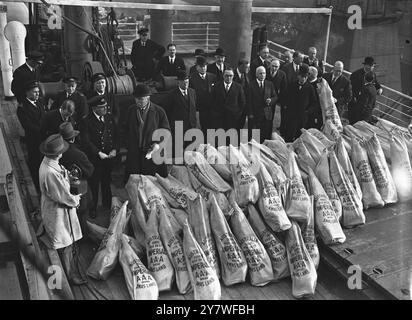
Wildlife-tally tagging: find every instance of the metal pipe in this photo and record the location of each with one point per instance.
(5, 54)
(327, 35)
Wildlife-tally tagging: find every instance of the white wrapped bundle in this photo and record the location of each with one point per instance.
(313, 144)
(321, 137)
(322, 172)
(329, 110)
(280, 150)
(298, 205)
(380, 170)
(352, 214)
(302, 152)
(106, 257)
(205, 282)
(302, 268)
(178, 191)
(203, 171)
(363, 172)
(245, 183)
(308, 235)
(140, 283)
(174, 248)
(232, 260)
(330, 131)
(274, 247)
(270, 203)
(200, 224)
(180, 173)
(344, 161)
(260, 266)
(326, 221)
(216, 160)
(401, 168)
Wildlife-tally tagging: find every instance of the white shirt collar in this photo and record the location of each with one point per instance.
(226, 84)
(97, 116)
(261, 59)
(32, 102)
(172, 58)
(295, 65)
(202, 76)
(238, 72)
(260, 81)
(31, 68)
(183, 91)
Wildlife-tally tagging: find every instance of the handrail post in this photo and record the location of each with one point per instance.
(325, 55)
(207, 37)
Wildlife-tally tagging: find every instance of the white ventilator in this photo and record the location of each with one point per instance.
(15, 32)
(5, 55)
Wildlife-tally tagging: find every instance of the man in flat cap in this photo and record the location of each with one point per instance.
(70, 92)
(143, 118)
(52, 120)
(145, 54)
(219, 66)
(202, 82)
(301, 102)
(26, 73)
(180, 109)
(99, 137)
(30, 112)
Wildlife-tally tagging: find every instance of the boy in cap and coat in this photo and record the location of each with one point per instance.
(30, 113)
(100, 142)
(58, 205)
(143, 118)
(144, 54)
(27, 72)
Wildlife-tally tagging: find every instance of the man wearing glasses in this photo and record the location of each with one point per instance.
(341, 88)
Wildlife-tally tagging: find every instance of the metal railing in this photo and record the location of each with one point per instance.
(189, 36)
(392, 105)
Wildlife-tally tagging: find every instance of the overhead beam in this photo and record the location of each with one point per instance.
(179, 7)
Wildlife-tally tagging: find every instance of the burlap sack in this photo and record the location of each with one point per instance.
(302, 268)
(203, 171)
(260, 266)
(106, 256)
(363, 172)
(298, 204)
(205, 282)
(200, 224)
(330, 131)
(140, 283)
(326, 222)
(313, 145)
(245, 183)
(174, 248)
(232, 260)
(401, 168)
(322, 172)
(158, 261)
(308, 236)
(352, 214)
(380, 170)
(180, 173)
(302, 152)
(216, 160)
(329, 110)
(178, 191)
(274, 247)
(327, 143)
(270, 203)
(346, 164)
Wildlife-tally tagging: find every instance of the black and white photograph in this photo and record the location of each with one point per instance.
(233, 152)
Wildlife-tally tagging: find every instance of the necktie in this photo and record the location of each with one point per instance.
(227, 88)
(296, 68)
(143, 44)
(101, 119)
(171, 60)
